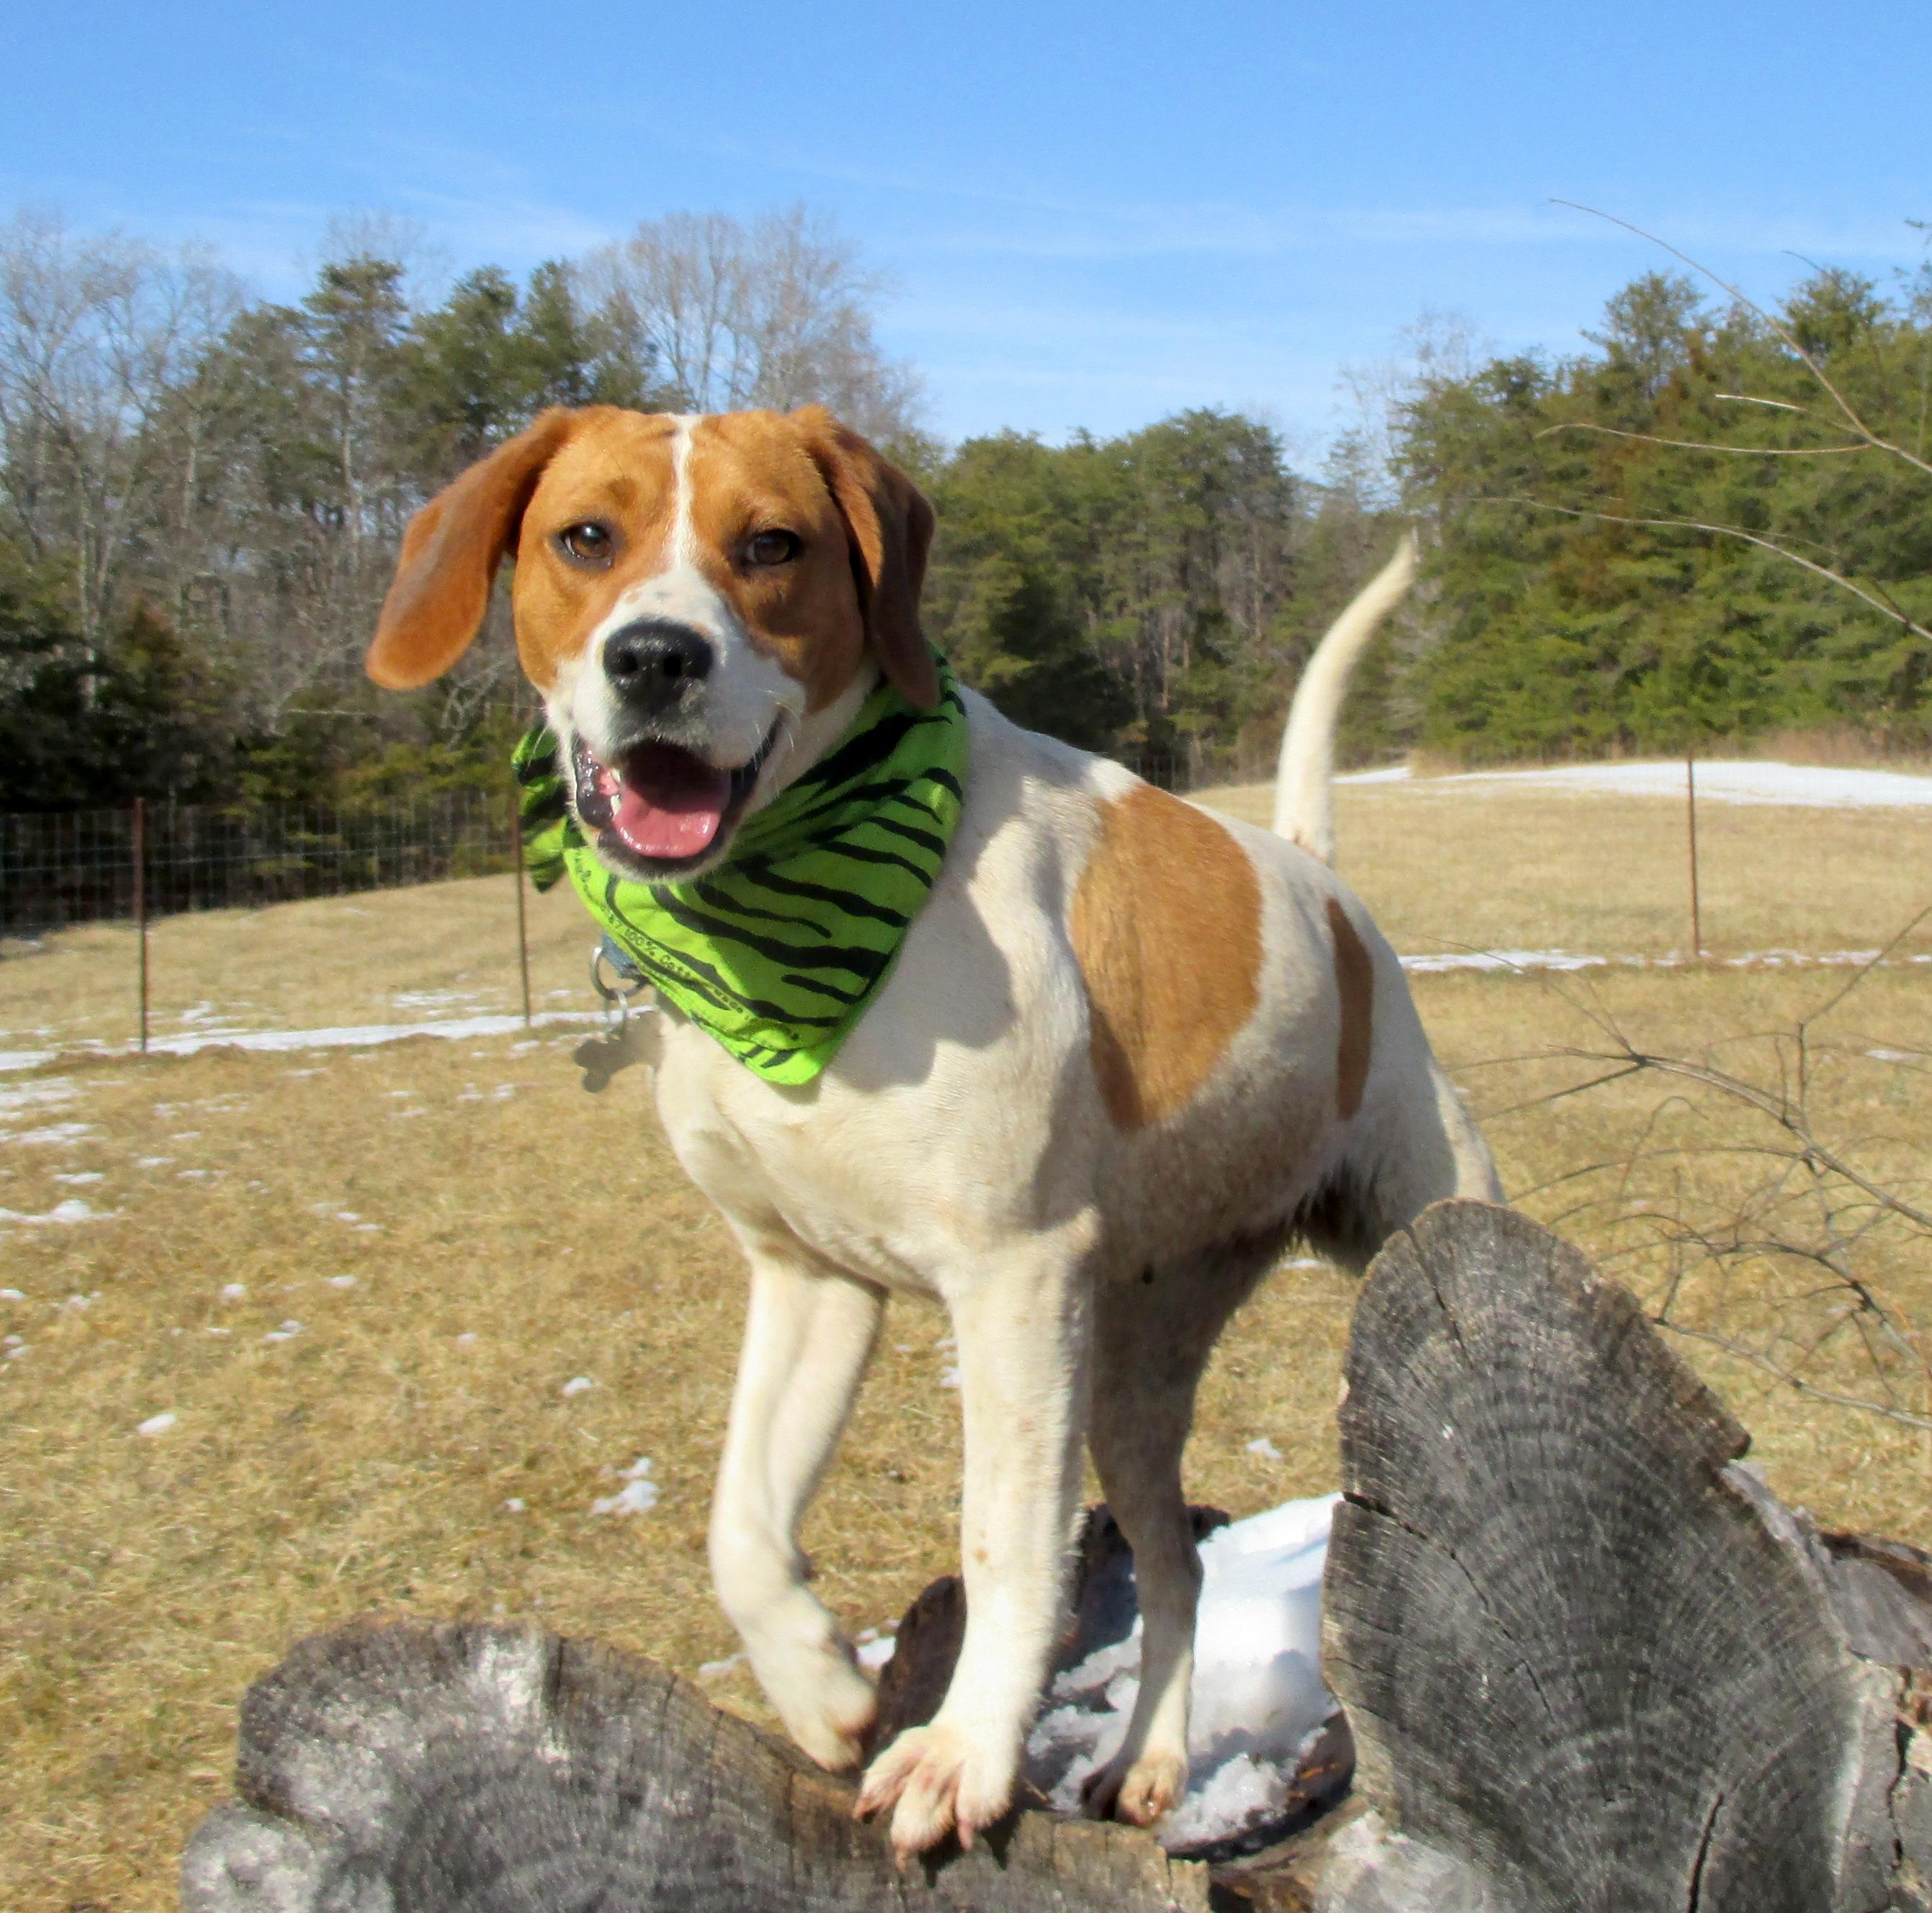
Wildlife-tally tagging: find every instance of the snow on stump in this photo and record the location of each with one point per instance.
(1589, 1663)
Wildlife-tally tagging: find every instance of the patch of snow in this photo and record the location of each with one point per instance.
(1720, 780)
(1385, 774)
(577, 1385)
(432, 999)
(72, 1210)
(1257, 1694)
(342, 1281)
(874, 1648)
(11, 1295)
(51, 1134)
(1434, 962)
(286, 1332)
(54, 1093)
(353, 1036)
(1263, 1447)
(708, 1670)
(638, 1495)
(463, 1340)
(157, 1424)
(18, 1349)
(233, 1291)
(949, 1377)
(152, 1162)
(514, 1505)
(79, 1175)
(1437, 961)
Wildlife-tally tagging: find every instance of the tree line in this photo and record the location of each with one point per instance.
(201, 495)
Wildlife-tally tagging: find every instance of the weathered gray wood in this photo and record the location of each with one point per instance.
(1591, 1663)
(417, 1769)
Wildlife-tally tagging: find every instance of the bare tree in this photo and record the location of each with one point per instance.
(99, 338)
(777, 313)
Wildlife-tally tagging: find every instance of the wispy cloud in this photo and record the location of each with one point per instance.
(1099, 234)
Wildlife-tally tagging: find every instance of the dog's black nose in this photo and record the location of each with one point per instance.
(650, 662)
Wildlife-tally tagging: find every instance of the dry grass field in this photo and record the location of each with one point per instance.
(364, 1281)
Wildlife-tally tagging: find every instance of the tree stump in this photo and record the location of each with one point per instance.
(425, 1769)
(1590, 1663)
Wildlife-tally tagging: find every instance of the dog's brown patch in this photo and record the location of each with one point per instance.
(852, 586)
(749, 472)
(1167, 928)
(616, 468)
(1355, 980)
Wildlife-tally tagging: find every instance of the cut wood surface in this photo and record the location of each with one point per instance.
(425, 1770)
(1590, 1662)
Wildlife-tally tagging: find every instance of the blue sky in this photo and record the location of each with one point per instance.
(1093, 216)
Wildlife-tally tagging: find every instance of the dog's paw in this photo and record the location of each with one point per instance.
(939, 1780)
(825, 1701)
(1142, 1790)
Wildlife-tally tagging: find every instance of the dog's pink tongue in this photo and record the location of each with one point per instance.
(669, 804)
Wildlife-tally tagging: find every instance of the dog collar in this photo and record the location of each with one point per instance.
(776, 951)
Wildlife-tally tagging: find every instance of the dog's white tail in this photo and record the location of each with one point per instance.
(1304, 805)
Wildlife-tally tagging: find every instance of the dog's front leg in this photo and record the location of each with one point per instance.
(1023, 1334)
(808, 1334)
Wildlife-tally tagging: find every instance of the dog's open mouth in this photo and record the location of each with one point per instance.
(663, 804)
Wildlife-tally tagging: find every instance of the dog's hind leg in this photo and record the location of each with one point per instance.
(1419, 1145)
(1155, 1331)
(809, 1333)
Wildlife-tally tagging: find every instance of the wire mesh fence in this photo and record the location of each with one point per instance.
(59, 869)
(77, 867)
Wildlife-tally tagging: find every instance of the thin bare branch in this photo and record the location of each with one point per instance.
(1889, 611)
(1777, 325)
(1758, 1360)
(1704, 445)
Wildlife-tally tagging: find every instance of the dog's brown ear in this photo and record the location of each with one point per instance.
(450, 555)
(889, 526)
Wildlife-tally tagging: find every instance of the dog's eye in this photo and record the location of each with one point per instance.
(773, 548)
(589, 543)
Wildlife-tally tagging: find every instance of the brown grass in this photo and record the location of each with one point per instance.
(1444, 868)
(506, 1233)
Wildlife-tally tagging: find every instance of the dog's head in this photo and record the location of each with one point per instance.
(702, 603)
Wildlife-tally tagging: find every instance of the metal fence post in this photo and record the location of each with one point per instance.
(1690, 803)
(516, 878)
(141, 907)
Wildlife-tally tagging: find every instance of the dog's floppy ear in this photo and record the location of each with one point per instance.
(889, 526)
(450, 555)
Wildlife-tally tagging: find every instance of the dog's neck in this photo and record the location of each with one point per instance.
(809, 738)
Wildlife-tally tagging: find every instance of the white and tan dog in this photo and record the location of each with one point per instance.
(1129, 1049)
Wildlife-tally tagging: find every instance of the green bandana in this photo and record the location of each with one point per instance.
(776, 951)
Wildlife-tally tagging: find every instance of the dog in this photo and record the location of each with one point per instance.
(1128, 1052)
